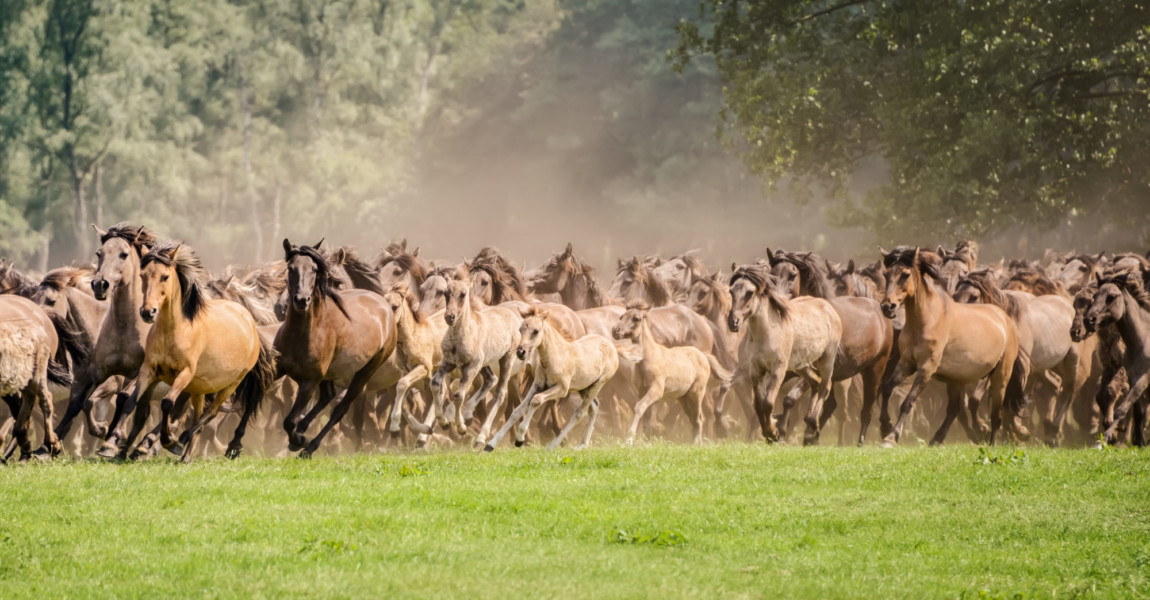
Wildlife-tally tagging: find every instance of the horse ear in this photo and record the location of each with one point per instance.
(1100, 256)
(569, 251)
(621, 263)
(287, 246)
(415, 253)
(99, 232)
(915, 259)
(319, 243)
(882, 252)
(403, 243)
(850, 266)
(941, 251)
(770, 256)
(174, 252)
(715, 276)
(341, 255)
(734, 267)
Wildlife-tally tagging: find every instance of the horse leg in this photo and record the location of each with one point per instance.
(594, 410)
(40, 391)
(354, 390)
(13, 401)
(653, 395)
(112, 390)
(551, 394)
(1071, 386)
(467, 373)
(189, 436)
(999, 380)
(517, 414)
(439, 390)
(923, 375)
(327, 393)
(821, 388)
(765, 393)
(840, 389)
(871, 382)
(303, 396)
(954, 395)
(692, 403)
(23, 413)
(487, 384)
(401, 388)
(1138, 385)
(577, 416)
(115, 445)
(783, 419)
(77, 395)
(500, 398)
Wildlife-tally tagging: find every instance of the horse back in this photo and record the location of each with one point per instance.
(978, 337)
(815, 328)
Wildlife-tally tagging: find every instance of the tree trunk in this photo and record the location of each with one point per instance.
(80, 215)
(45, 246)
(98, 185)
(253, 199)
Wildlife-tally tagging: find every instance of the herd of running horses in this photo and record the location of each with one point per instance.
(447, 354)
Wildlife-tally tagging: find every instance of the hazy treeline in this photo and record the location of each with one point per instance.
(527, 123)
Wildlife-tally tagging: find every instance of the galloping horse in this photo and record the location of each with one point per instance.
(1123, 301)
(798, 336)
(27, 347)
(956, 343)
(196, 345)
(330, 338)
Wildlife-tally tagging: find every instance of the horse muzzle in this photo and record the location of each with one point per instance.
(148, 314)
(733, 324)
(100, 289)
(301, 303)
(889, 309)
(520, 353)
(449, 319)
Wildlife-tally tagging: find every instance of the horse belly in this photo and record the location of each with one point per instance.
(971, 353)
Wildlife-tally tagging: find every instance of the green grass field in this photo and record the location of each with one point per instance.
(651, 521)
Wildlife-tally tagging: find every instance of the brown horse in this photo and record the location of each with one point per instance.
(12, 281)
(1111, 355)
(867, 337)
(956, 343)
(635, 281)
(196, 345)
(330, 338)
(572, 279)
(1122, 300)
(494, 280)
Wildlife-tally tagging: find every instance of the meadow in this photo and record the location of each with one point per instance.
(657, 520)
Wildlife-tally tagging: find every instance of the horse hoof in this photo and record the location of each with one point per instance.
(305, 454)
(233, 452)
(489, 448)
(519, 443)
(108, 451)
(175, 448)
(479, 444)
(888, 443)
(43, 452)
(395, 434)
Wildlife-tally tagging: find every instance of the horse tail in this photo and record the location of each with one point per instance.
(259, 379)
(718, 372)
(1016, 387)
(58, 373)
(70, 341)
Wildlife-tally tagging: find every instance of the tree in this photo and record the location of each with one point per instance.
(979, 116)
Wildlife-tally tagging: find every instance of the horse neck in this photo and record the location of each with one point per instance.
(84, 312)
(809, 287)
(657, 294)
(170, 318)
(127, 299)
(764, 321)
(927, 307)
(405, 324)
(1134, 326)
(718, 308)
(552, 348)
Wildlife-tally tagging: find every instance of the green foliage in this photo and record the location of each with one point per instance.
(961, 118)
(1009, 457)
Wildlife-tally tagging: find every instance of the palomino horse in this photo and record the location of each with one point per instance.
(119, 348)
(418, 347)
(196, 345)
(1043, 325)
(562, 366)
(867, 337)
(666, 374)
(798, 336)
(1123, 301)
(27, 347)
(477, 339)
(956, 343)
(330, 338)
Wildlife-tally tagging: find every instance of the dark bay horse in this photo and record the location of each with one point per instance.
(330, 338)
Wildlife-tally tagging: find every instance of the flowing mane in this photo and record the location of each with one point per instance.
(536, 311)
(138, 237)
(362, 275)
(1132, 283)
(928, 262)
(812, 271)
(326, 283)
(405, 261)
(506, 283)
(1030, 279)
(189, 273)
(655, 288)
(66, 277)
(983, 281)
(764, 284)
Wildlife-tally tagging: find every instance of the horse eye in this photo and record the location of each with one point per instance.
(399, 271)
(123, 255)
(636, 319)
(50, 302)
(164, 278)
(100, 253)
